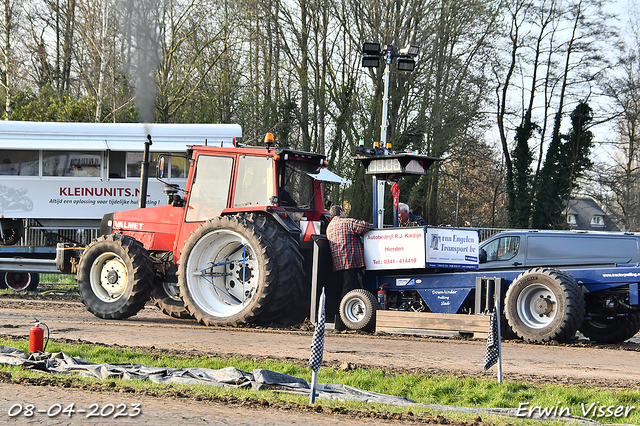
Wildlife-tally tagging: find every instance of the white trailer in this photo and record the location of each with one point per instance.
(57, 180)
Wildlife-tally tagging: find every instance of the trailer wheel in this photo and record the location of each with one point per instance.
(11, 232)
(544, 304)
(20, 281)
(166, 297)
(229, 273)
(614, 330)
(114, 275)
(358, 310)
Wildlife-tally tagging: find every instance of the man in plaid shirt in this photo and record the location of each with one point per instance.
(346, 248)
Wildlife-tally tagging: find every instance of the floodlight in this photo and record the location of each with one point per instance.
(370, 61)
(410, 50)
(371, 48)
(405, 63)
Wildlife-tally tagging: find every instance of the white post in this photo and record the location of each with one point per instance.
(314, 381)
(497, 295)
(385, 100)
(317, 344)
(381, 186)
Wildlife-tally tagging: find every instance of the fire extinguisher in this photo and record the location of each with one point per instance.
(382, 297)
(36, 337)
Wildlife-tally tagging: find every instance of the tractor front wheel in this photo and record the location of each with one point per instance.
(114, 277)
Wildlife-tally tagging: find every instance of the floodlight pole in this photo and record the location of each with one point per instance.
(388, 58)
(379, 184)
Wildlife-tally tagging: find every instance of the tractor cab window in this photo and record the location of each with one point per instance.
(296, 186)
(254, 185)
(504, 248)
(210, 188)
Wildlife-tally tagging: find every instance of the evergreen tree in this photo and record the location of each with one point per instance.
(564, 164)
(520, 186)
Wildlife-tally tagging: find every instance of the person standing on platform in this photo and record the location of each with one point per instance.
(347, 252)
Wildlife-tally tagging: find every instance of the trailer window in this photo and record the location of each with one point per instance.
(178, 165)
(503, 248)
(117, 162)
(210, 188)
(254, 186)
(19, 163)
(75, 164)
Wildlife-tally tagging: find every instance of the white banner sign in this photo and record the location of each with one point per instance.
(75, 198)
(398, 248)
(418, 248)
(452, 248)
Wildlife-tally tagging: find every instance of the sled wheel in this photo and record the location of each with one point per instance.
(229, 274)
(166, 297)
(114, 277)
(612, 330)
(20, 281)
(358, 310)
(544, 304)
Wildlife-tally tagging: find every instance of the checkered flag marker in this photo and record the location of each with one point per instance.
(317, 347)
(493, 342)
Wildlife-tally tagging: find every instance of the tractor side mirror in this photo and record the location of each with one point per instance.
(160, 168)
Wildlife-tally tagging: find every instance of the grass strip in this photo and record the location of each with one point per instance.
(422, 388)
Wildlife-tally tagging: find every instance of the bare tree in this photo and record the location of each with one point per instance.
(620, 178)
(8, 24)
(104, 46)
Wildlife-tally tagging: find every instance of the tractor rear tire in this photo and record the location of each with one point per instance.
(290, 262)
(544, 304)
(114, 277)
(614, 330)
(20, 281)
(221, 285)
(358, 310)
(166, 297)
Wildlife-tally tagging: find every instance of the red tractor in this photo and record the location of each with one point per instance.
(232, 249)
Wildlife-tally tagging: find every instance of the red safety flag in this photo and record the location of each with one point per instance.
(395, 191)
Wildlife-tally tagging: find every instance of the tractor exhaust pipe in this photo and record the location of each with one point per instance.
(144, 174)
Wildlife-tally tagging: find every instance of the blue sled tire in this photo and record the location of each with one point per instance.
(544, 304)
(612, 330)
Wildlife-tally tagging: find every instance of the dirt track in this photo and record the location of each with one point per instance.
(580, 362)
